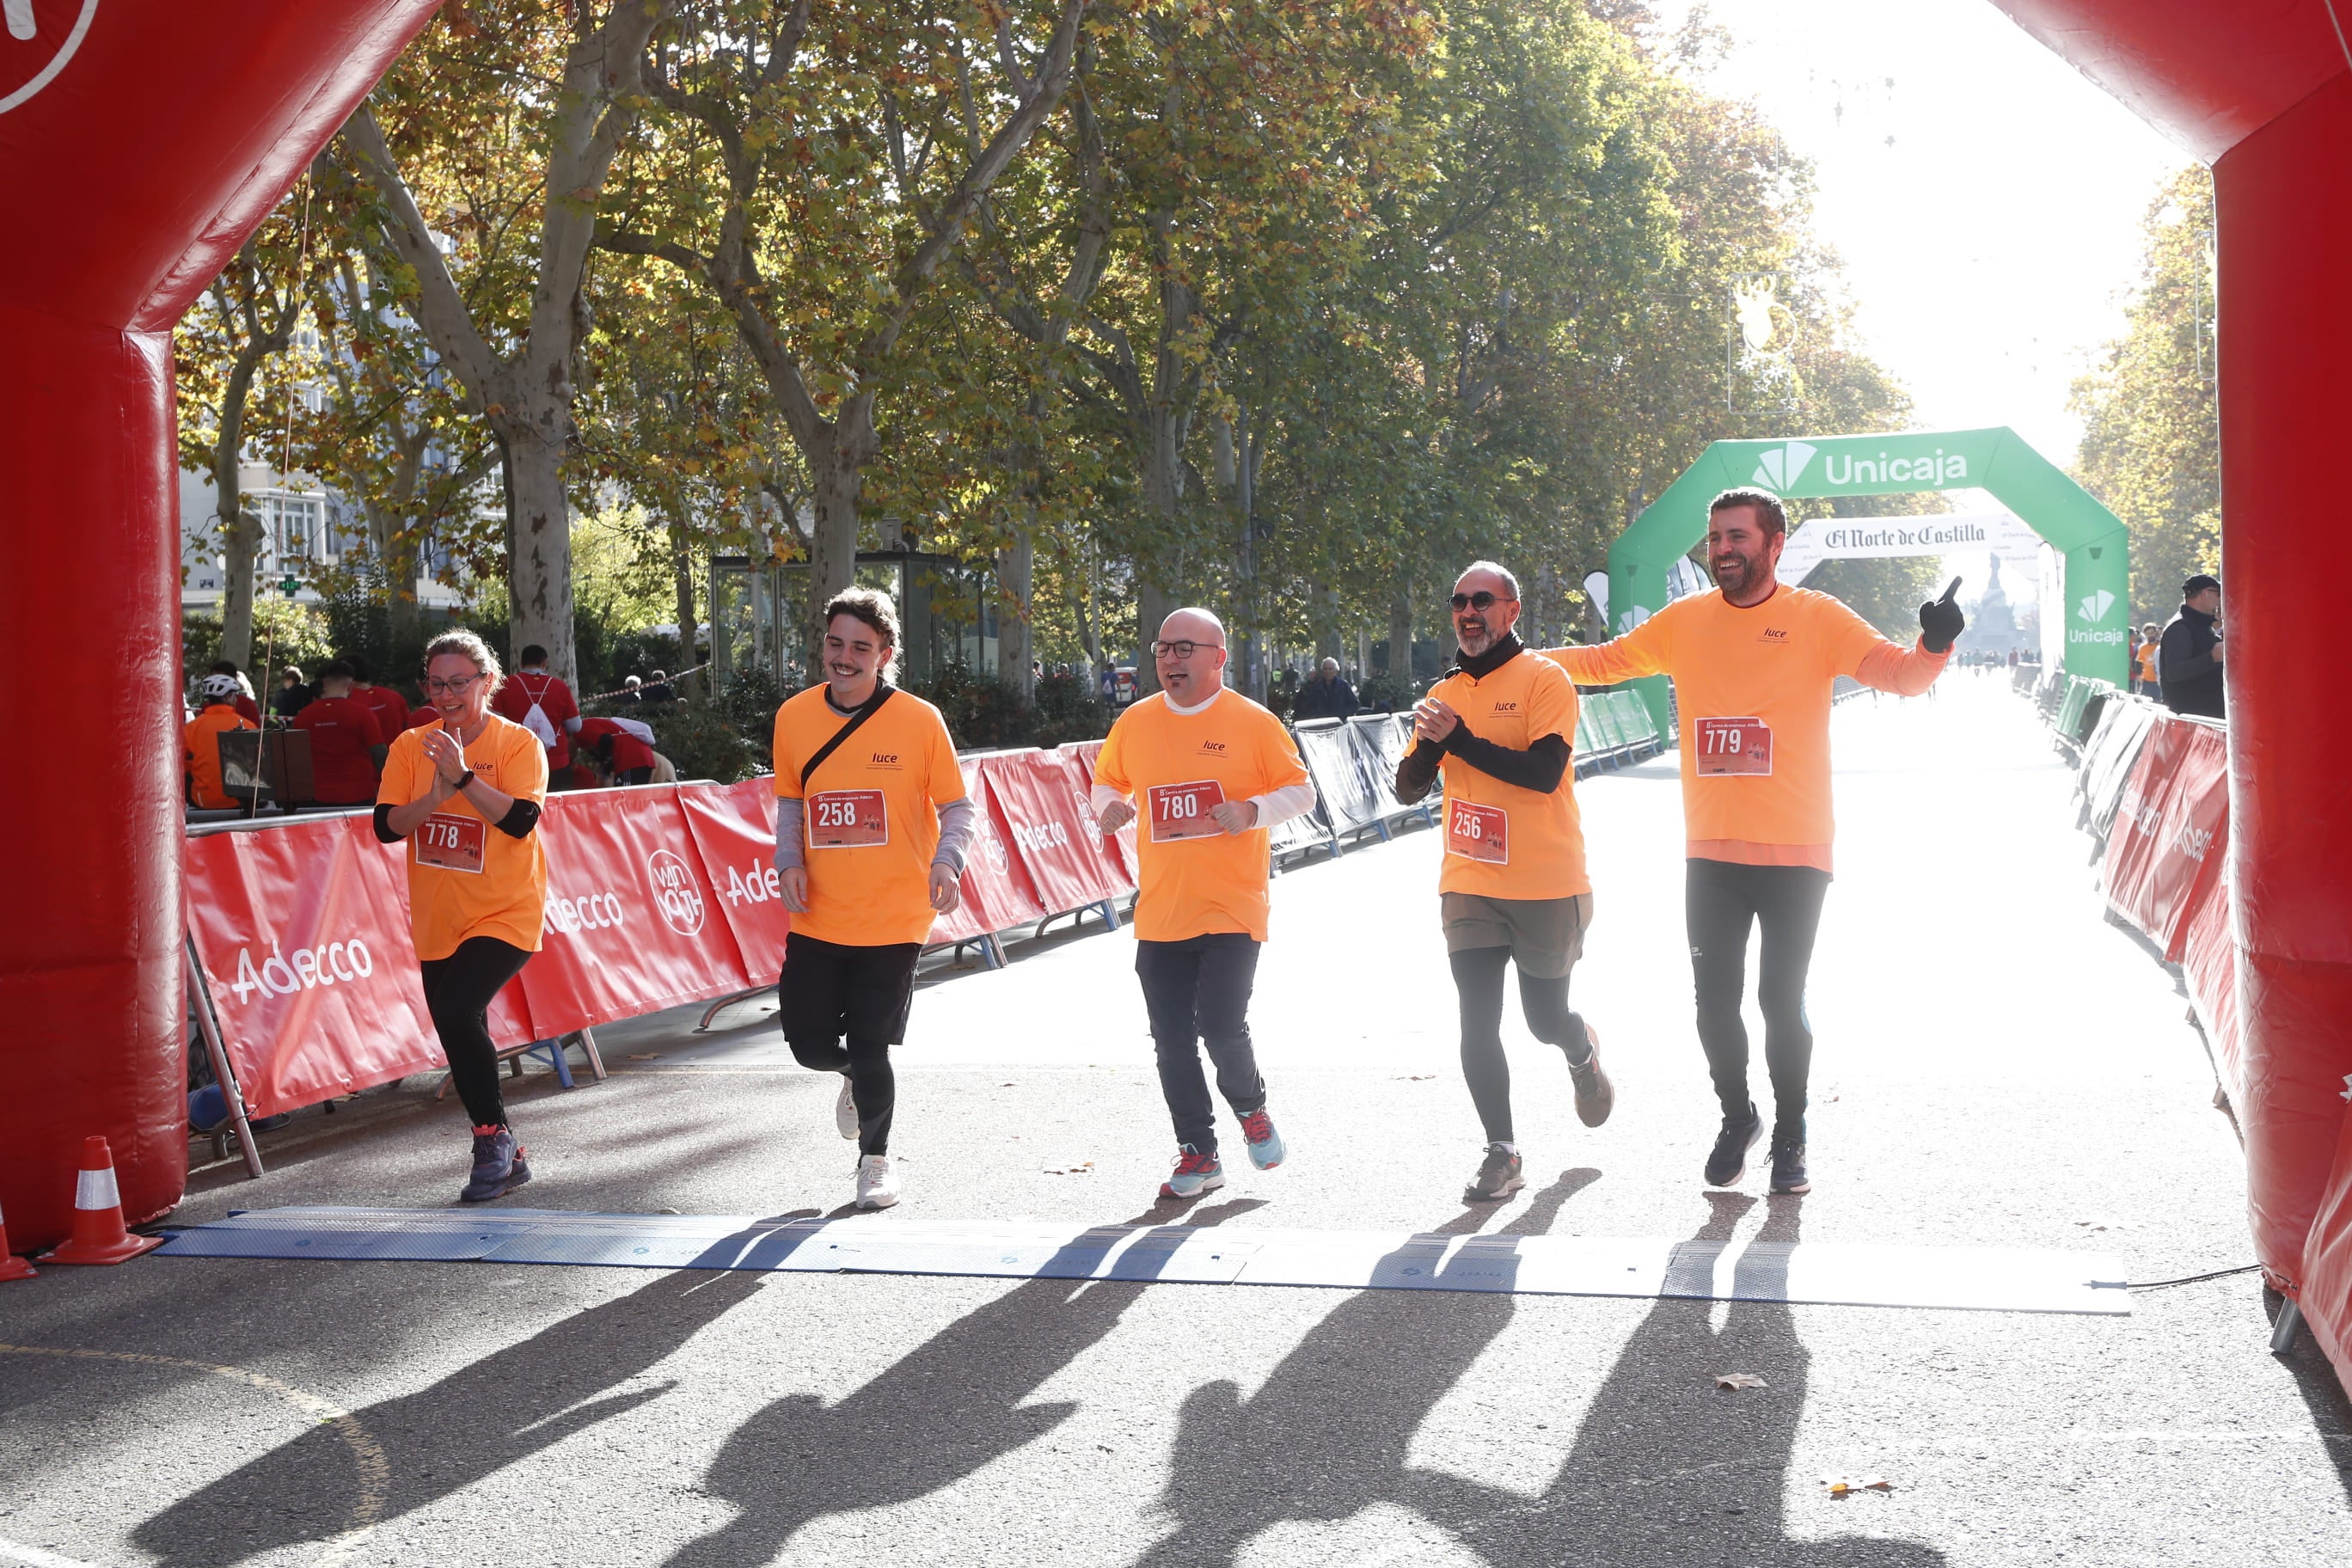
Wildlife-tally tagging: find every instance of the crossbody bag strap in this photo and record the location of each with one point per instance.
(843, 733)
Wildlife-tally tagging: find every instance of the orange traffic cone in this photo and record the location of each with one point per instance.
(11, 1266)
(98, 1233)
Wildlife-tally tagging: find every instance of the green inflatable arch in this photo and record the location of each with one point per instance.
(2090, 538)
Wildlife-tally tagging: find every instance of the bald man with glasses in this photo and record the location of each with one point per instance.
(1204, 774)
(1501, 730)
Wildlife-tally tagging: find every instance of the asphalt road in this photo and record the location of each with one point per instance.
(1998, 1065)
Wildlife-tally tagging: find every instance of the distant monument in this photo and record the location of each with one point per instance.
(1993, 628)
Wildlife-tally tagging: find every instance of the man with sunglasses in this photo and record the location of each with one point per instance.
(1754, 663)
(1501, 726)
(1214, 772)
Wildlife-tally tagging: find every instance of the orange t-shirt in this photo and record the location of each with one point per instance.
(201, 752)
(1503, 841)
(466, 879)
(1753, 687)
(1196, 878)
(869, 816)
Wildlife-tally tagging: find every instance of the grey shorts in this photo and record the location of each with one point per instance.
(1546, 936)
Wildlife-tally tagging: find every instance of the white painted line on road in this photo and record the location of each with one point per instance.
(1985, 1278)
(34, 1557)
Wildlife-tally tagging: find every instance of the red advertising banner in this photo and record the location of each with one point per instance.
(734, 828)
(632, 924)
(2177, 856)
(303, 932)
(1042, 801)
(2132, 836)
(1082, 757)
(996, 891)
(2210, 959)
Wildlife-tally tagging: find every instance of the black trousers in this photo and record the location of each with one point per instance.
(843, 1008)
(1197, 992)
(1479, 987)
(458, 991)
(1720, 902)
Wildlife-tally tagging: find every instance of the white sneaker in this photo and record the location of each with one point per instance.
(845, 1111)
(877, 1182)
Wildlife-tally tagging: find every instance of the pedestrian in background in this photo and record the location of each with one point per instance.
(199, 741)
(293, 694)
(246, 708)
(2188, 657)
(542, 704)
(347, 745)
(2144, 678)
(1328, 696)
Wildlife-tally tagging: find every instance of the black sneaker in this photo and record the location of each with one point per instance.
(1729, 1161)
(1596, 1097)
(1498, 1177)
(499, 1165)
(1789, 1163)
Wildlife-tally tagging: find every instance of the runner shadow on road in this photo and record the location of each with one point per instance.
(951, 1407)
(1664, 1468)
(493, 1413)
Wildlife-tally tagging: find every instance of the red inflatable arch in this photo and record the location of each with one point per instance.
(2263, 92)
(140, 144)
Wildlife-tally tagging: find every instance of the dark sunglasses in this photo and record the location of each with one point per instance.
(1481, 600)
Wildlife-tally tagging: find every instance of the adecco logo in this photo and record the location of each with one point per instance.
(2093, 606)
(1049, 836)
(754, 884)
(309, 968)
(42, 36)
(1780, 469)
(677, 893)
(595, 911)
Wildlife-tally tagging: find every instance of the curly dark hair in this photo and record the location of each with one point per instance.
(875, 608)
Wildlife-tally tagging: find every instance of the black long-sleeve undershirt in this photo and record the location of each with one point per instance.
(1539, 768)
(520, 819)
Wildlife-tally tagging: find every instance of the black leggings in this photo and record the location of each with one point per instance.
(1478, 985)
(844, 1007)
(1719, 901)
(458, 991)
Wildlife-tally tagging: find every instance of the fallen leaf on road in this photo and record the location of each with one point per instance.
(1084, 1168)
(1845, 1485)
(645, 1056)
(1739, 1379)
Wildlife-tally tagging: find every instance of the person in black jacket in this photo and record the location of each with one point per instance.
(2189, 656)
(1328, 696)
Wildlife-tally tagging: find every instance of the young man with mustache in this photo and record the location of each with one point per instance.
(1754, 663)
(1501, 726)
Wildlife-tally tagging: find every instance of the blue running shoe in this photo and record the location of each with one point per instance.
(1195, 1174)
(499, 1166)
(1264, 1143)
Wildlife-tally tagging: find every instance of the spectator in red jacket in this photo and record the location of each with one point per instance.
(347, 742)
(622, 749)
(542, 704)
(389, 708)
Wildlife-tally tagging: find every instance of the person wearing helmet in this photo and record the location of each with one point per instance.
(216, 696)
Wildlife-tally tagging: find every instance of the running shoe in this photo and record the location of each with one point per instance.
(1596, 1097)
(877, 1182)
(845, 1111)
(1265, 1148)
(1729, 1161)
(1195, 1174)
(499, 1165)
(1789, 1163)
(1498, 1176)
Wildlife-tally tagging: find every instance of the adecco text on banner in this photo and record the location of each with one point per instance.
(278, 976)
(594, 911)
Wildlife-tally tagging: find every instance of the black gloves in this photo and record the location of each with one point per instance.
(1940, 622)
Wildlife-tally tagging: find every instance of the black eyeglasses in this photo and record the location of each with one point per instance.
(1179, 649)
(1481, 600)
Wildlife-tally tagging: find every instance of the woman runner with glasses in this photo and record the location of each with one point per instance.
(464, 790)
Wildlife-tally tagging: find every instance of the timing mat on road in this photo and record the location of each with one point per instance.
(2012, 1279)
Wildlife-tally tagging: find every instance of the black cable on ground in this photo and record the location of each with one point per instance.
(2192, 1279)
